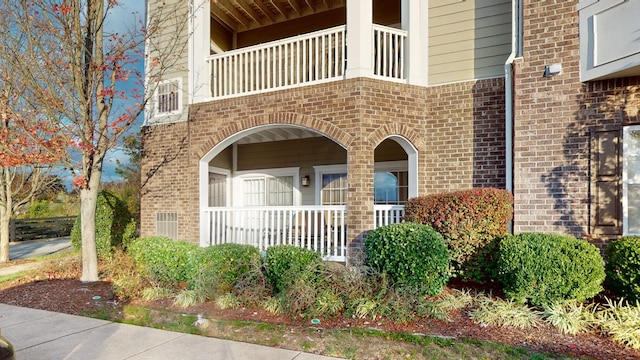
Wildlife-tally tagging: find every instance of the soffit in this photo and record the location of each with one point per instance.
(278, 134)
(243, 15)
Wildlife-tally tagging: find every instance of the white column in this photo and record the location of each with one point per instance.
(199, 43)
(359, 38)
(415, 20)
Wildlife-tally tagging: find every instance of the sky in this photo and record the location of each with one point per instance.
(122, 18)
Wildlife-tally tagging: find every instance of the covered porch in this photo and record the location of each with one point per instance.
(248, 47)
(286, 184)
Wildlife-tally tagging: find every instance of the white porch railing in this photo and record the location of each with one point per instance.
(319, 228)
(388, 214)
(302, 60)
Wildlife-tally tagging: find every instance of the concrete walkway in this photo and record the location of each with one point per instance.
(29, 249)
(38, 334)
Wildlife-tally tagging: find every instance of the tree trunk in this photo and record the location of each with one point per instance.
(5, 218)
(6, 211)
(88, 201)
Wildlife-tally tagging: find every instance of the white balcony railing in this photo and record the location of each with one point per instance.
(301, 60)
(319, 228)
(388, 52)
(304, 59)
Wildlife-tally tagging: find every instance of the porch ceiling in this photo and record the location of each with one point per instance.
(243, 15)
(278, 134)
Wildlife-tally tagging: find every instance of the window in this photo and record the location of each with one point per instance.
(268, 191)
(631, 180)
(280, 191)
(218, 188)
(270, 187)
(334, 189)
(391, 183)
(169, 97)
(390, 187)
(331, 184)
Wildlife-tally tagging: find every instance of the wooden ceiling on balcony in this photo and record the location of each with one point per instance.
(243, 15)
(278, 134)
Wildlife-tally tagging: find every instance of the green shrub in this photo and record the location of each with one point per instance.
(284, 262)
(468, 220)
(223, 265)
(546, 268)
(169, 262)
(414, 256)
(39, 209)
(623, 267)
(130, 234)
(112, 219)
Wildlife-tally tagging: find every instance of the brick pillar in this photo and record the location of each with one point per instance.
(360, 162)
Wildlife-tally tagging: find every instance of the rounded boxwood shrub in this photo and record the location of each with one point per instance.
(414, 256)
(167, 261)
(112, 219)
(623, 267)
(284, 262)
(542, 269)
(223, 264)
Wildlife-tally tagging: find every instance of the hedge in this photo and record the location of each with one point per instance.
(113, 225)
(623, 267)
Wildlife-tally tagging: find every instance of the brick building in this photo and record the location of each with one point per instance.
(311, 122)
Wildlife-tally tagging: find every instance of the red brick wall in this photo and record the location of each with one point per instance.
(553, 120)
(458, 130)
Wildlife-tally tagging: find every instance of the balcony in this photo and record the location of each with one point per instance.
(307, 59)
(322, 229)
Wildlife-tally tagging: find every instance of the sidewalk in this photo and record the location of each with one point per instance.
(38, 334)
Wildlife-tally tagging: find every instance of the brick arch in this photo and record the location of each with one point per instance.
(326, 128)
(388, 130)
(410, 141)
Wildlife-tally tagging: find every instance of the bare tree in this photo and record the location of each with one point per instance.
(87, 80)
(29, 146)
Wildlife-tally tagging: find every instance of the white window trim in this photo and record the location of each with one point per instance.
(227, 173)
(241, 175)
(400, 165)
(156, 99)
(625, 179)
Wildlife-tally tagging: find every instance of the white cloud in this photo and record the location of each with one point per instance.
(110, 165)
(125, 16)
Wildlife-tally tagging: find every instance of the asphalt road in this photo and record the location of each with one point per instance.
(29, 249)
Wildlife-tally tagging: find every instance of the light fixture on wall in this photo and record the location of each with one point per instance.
(305, 180)
(552, 70)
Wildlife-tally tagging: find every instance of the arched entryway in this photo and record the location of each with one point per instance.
(261, 186)
(395, 178)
